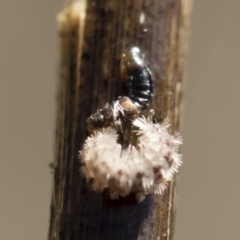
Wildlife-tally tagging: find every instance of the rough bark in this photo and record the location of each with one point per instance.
(90, 78)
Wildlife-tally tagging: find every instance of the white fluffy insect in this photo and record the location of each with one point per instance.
(143, 169)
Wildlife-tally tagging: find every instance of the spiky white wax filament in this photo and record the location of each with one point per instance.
(143, 169)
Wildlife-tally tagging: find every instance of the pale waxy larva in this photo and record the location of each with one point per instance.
(143, 164)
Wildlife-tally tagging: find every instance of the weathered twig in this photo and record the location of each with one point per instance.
(158, 28)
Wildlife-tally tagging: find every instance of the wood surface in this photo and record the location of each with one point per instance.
(89, 77)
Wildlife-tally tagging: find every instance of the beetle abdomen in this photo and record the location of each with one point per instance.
(137, 77)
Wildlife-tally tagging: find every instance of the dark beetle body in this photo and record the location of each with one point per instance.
(137, 79)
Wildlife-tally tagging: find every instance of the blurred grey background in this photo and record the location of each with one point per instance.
(209, 180)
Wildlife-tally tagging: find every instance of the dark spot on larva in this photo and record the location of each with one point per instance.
(169, 160)
(168, 143)
(159, 176)
(156, 169)
(139, 175)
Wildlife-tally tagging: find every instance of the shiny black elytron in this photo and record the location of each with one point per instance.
(136, 76)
